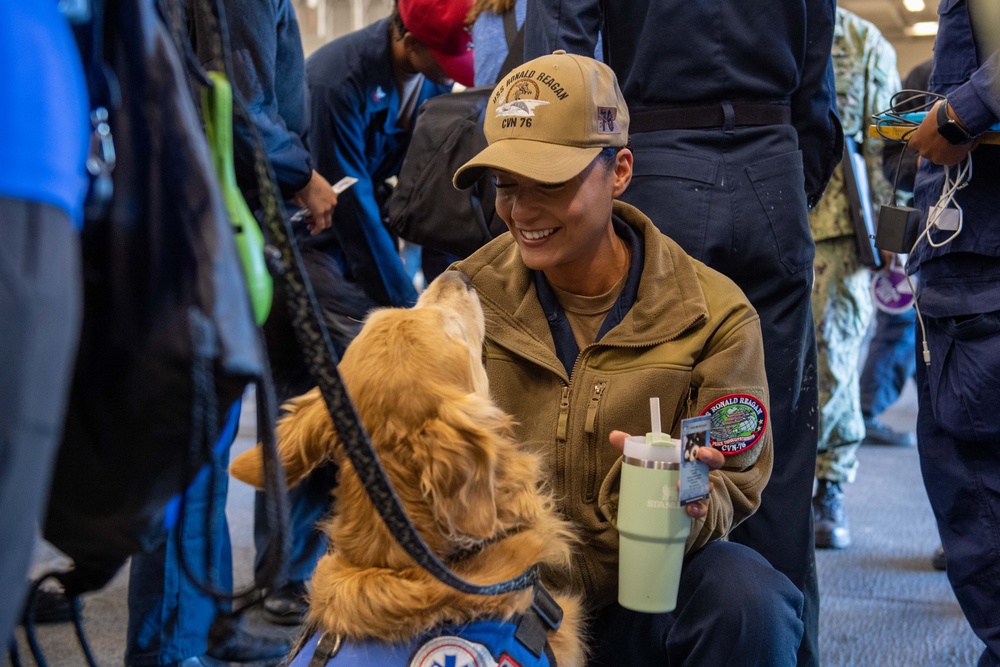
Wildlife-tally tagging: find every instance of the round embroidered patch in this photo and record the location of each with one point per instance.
(891, 292)
(738, 422)
(453, 652)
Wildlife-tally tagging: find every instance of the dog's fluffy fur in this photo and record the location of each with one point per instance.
(417, 380)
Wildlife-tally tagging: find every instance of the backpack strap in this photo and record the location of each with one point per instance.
(515, 44)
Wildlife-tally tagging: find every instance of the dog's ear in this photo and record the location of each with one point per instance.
(305, 440)
(457, 456)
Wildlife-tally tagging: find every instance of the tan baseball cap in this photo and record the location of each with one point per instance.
(548, 119)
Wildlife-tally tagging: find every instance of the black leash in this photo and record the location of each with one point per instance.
(28, 623)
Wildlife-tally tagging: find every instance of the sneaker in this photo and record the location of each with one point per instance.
(877, 433)
(832, 531)
(938, 560)
(231, 641)
(287, 604)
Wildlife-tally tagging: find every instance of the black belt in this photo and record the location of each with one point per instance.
(709, 116)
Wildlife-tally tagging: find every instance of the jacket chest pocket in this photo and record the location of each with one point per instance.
(380, 146)
(621, 402)
(593, 461)
(954, 48)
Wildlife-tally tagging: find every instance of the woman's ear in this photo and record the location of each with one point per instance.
(623, 171)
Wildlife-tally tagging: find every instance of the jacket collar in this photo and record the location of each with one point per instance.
(562, 333)
(515, 319)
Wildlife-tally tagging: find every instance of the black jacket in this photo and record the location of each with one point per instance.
(677, 52)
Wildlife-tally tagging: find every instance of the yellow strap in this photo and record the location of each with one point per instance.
(897, 132)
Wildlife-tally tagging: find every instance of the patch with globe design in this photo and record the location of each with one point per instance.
(738, 422)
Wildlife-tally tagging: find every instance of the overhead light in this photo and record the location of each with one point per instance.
(922, 29)
(914, 5)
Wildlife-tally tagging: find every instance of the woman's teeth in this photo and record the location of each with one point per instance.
(534, 236)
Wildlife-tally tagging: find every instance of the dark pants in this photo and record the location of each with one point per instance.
(308, 502)
(890, 362)
(40, 306)
(733, 609)
(957, 435)
(735, 199)
(169, 616)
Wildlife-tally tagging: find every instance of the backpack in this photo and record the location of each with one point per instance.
(425, 208)
(168, 341)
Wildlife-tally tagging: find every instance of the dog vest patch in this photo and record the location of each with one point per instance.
(738, 422)
(452, 652)
(478, 644)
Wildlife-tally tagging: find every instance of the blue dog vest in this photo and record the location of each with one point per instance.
(480, 644)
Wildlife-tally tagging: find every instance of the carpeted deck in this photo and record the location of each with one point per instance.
(882, 603)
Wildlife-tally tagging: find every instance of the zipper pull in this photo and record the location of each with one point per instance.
(595, 399)
(563, 424)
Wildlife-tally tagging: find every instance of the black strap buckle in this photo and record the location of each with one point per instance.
(544, 615)
(327, 647)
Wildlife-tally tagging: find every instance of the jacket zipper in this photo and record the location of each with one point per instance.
(562, 427)
(590, 454)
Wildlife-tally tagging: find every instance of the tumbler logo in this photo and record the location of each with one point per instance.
(670, 499)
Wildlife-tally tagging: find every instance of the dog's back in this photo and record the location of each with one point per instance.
(417, 381)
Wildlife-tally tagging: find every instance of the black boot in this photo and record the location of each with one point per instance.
(51, 606)
(287, 604)
(832, 530)
(231, 640)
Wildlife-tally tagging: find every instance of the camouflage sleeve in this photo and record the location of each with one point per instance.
(882, 82)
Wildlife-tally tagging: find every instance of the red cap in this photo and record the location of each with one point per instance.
(440, 26)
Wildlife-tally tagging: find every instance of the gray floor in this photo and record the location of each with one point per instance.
(882, 603)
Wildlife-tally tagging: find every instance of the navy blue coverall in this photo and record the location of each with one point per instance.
(733, 192)
(354, 105)
(958, 292)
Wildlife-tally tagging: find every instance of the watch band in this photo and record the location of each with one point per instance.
(949, 128)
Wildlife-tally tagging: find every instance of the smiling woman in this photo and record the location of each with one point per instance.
(590, 311)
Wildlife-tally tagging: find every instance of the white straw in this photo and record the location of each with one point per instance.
(654, 417)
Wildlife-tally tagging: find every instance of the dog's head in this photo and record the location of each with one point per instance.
(417, 380)
(406, 363)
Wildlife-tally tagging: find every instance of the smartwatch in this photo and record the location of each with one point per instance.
(949, 128)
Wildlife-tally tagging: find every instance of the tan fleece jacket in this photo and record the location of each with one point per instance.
(691, 338)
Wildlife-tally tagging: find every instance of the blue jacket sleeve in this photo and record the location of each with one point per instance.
(814, 103)
(337, 144)
(262, 35)
(977, 101)
(572, 25)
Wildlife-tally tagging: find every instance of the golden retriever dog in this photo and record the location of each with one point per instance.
(417, 380)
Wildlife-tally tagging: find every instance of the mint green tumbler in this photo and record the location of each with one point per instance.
(653, 528)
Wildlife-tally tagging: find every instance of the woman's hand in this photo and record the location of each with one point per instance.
(710, 456)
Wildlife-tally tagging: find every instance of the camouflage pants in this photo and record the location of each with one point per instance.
(842, 309)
